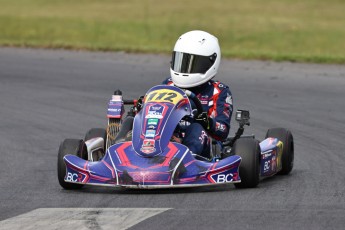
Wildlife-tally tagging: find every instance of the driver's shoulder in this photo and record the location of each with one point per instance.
(168, 81)
(220, 86)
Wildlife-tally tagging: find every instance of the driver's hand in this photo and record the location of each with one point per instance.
(204, 120)
(194, 112)
(139, 104)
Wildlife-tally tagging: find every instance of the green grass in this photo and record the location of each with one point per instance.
(292, 30)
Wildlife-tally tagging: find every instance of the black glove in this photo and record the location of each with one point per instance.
(139, 104)
(204, 120)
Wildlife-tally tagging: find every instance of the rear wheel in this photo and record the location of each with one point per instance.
(286, 137)
(249, 150)
(74, 147)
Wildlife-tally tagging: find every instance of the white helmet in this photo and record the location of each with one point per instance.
(195, 59)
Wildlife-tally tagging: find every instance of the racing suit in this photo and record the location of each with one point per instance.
(216, 99)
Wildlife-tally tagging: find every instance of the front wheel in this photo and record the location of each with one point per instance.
(69, 147)
(286, 137)
(249, 150)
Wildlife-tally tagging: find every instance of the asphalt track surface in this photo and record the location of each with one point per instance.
(46, 96)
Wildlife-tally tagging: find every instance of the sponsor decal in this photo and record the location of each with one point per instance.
(152, 121)
(73, 177)
(148, 143)
(267, 166)
(155, 111)
(223, 178)
(151, 127)
(148, 146)
(156, 108)
(150, 133)
(114, 110)
(154, 115)
(204, 99)
(266, 155)
(220, 127)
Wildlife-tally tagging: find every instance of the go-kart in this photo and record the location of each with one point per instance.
(137, 151)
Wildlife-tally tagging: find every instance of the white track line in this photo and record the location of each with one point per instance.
(80, 218)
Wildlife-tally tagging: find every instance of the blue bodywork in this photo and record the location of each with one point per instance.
(151, 160)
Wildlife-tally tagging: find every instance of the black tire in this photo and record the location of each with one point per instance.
(69, 147)
(249, 150)
(286, 137)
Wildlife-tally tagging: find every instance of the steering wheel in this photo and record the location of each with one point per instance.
(196, 101)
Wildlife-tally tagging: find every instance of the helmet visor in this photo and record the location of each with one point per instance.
(191, 63)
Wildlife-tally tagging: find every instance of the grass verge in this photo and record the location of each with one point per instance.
(285, 30)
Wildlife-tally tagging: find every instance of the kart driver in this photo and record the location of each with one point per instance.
(195, 61)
